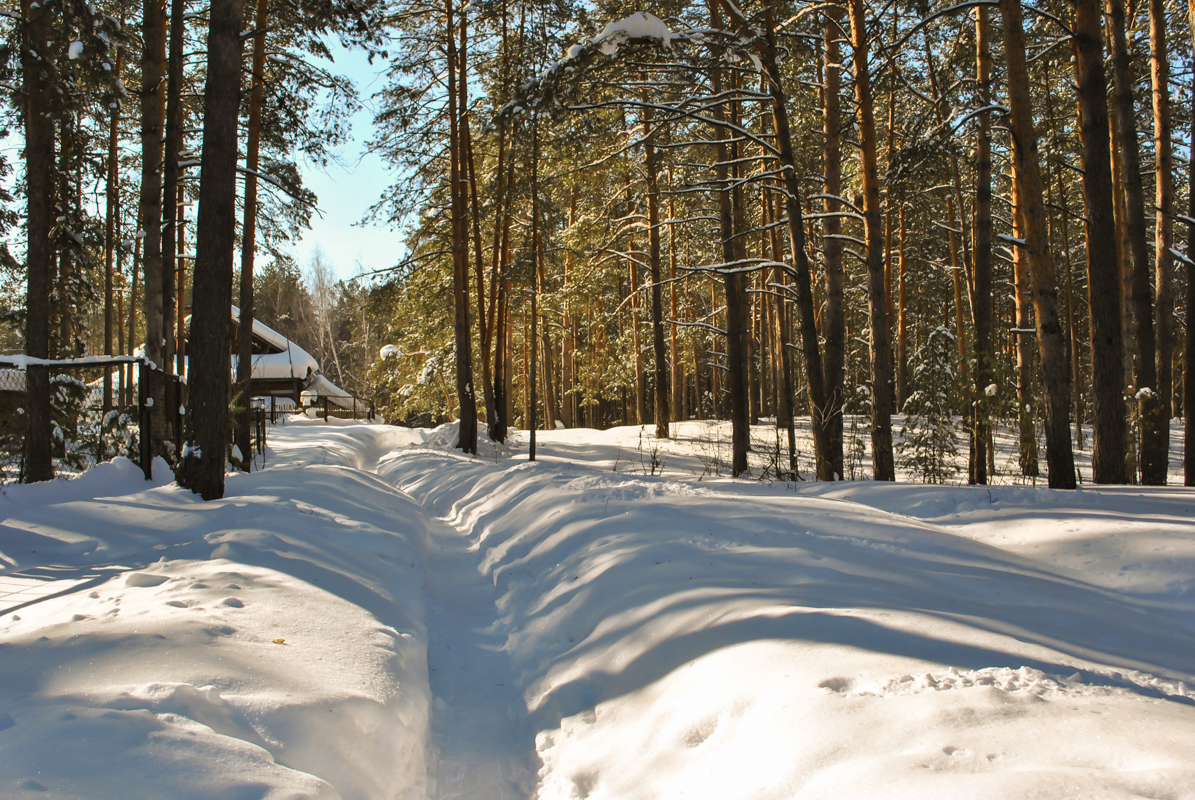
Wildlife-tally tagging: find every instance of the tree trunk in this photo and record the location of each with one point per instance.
(1059, 456)
(171, 186)
(633, 277)
(902, 312)
(466, 399)
(536, 256)
(677, 382)
(1189, 354)
(883, 467)
(111, 215)
(37, 464)
(834, 320)
(956, 279)
(822, 409)
(1074, 353)
(202, 467)
(1103, 273)
(568, 345)
(1154, 432)
(1164, 224)
(498, 412)
(551, 412)
(487, 378)
(1128, 326)
(657, 289)
(501, 279)
(736, 319)
(180, 350)
(131, 335)
(249, 232)
(981, 302)
(1026, 438)
(153, 101)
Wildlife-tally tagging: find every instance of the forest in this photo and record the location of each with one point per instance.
(969, 217)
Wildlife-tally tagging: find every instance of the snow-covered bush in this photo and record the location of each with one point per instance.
(929, 442)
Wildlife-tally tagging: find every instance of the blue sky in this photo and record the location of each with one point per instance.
(346, 188)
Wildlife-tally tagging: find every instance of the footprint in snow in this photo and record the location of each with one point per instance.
(233, 602)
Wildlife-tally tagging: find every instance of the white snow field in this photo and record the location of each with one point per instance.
(375, 615)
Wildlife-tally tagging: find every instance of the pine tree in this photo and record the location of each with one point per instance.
(930, 443)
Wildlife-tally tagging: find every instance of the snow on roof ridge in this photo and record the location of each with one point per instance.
(266, 332)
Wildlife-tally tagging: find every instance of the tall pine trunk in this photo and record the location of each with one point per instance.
(1164, 202)
(111, 214)
(530, 339)
(1154, 433)
(981, 239)
(883, 467)
(466, 398)
(834, 319)
(153, 102)
(1189, 354)
(823, 407)
(733, 284)
(249, 233)
(173, 289)
(37, 464)
(1059, 456)
(469, 176)
(657, 289)
(1103, 273)
(677, 382)
(1026, 437)
(202, 466)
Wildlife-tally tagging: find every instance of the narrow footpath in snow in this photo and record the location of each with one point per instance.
(480, 727)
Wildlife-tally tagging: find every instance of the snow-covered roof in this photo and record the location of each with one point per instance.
(267, 334)
(319, 386)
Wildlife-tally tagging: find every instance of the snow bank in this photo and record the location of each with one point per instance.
(727, 639)
(271, 644)
(623, 634)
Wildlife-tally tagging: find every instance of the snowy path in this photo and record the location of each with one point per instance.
(377, 616)
(479, 724)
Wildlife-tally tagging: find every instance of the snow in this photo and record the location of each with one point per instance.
(640, 25)
(156, 661)
(291, 361)
(21, 361)
(378, 615)
(75, 51)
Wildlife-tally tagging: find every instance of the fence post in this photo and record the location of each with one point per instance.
(144, 421)
(325, 408)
